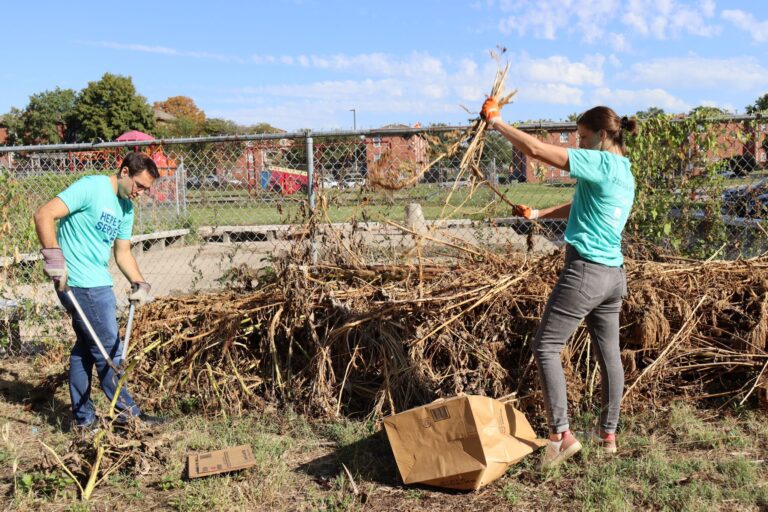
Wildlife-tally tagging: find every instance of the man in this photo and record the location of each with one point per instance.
(94, 214)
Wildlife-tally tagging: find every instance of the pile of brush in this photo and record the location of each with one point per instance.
(371, 340)
(359, 339)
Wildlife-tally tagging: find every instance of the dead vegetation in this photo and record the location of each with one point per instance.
(370, 340)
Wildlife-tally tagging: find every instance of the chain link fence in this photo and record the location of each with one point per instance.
(224, 202)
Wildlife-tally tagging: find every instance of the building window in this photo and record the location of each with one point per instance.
(377, 142)
(762, 156)
(563, 137)
(563, 174)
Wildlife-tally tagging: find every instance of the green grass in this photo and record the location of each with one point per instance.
(343, 206)
(676, 458)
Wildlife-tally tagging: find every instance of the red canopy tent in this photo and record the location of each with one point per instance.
(134, 135)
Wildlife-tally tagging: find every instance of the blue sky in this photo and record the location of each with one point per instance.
(306, 63)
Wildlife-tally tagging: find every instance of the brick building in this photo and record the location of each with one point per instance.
(533, 171)
(3, 131)
(386, 153)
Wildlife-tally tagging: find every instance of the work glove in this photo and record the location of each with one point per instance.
(55, 267)
(529, 213)
(491, 111)
(139, 292)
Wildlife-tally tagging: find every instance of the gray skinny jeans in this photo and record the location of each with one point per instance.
(591, 291)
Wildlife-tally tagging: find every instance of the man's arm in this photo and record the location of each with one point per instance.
(126, 262)
(45, 222)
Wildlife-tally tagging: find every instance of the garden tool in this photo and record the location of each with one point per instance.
(88, 326)
(129, 327)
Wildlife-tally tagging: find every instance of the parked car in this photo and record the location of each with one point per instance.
(194, 182)
(353, 183)
(329, 183)
(741, 165)
(212, 181)
(746, 200)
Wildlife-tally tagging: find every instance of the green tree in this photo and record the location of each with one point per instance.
(759, 106)
(261, 128)
(14, 126)
(651, 112)
(218, 126)
(109, 107)
(704, 112)
(46, 116)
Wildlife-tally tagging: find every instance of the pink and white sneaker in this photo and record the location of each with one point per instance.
(558, 451)
(605, 441)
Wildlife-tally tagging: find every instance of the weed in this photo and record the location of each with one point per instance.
(511, 493)
(51, 485)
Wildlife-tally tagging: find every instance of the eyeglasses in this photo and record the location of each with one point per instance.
(142, 188)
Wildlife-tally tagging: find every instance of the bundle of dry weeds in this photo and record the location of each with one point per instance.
(376, 339)
(398, 175)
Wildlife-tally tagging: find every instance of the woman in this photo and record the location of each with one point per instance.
(593, 282)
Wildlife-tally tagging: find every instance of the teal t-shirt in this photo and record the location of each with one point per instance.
(605, 190)
(96, 217)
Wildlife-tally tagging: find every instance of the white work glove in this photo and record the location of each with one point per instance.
(139, 292)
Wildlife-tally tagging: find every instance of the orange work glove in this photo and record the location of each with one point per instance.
(527, 212)
(491, 111)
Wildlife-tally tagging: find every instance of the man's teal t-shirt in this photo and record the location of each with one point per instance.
(96, 217)
(605, 190)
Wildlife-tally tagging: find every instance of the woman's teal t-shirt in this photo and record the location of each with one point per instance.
(605, 191)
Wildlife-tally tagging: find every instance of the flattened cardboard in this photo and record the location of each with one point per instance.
(220, 461)
(464, 442)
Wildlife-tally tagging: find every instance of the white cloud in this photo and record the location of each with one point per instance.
(593, 20)
(618, 42)
(728, 107)
(663, 19)
(559, 94)
(748, 23)
(379, 64)
(560, 69)
(697, 72)
(164, 50)
(640, 99)
(546, 18)
(339, 89)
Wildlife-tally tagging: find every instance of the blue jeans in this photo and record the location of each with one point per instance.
(99, 306)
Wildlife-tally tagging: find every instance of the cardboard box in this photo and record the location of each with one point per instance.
(221, 461)
(464, 442)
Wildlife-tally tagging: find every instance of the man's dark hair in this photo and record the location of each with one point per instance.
(139, 162)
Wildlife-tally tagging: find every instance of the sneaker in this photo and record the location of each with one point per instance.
(605, 441)
(86, 428)
(558, 451)
(151, 421)
(142, 419)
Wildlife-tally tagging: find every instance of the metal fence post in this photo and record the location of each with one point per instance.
(311, 195)
(183, 171)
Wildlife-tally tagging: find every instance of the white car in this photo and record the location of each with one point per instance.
(353, 183)
(329, 183)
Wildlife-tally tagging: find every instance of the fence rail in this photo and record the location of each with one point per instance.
(227, 201)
